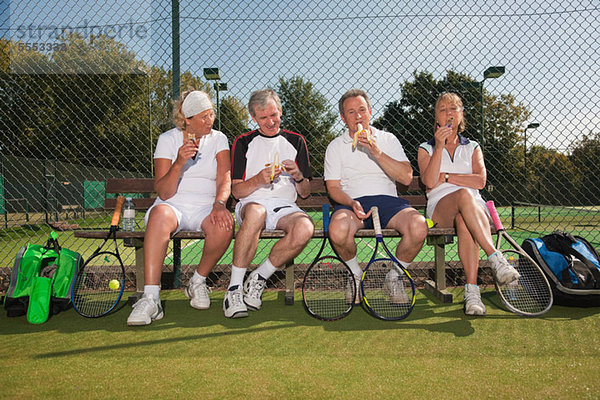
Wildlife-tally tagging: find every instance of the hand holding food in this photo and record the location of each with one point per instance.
(274, 166)
(192, 138)
(359, 130)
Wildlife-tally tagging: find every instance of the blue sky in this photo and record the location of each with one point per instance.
(551, 50)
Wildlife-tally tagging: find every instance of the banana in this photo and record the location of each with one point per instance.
(274, 165)
(359, 130)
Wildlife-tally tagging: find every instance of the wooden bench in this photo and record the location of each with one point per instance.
(414, 193)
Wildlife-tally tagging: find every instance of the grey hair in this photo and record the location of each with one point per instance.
(260, 98)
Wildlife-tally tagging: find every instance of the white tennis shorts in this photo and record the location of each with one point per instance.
(189, 218)
(276, 209)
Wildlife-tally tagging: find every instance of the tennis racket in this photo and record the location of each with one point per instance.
(531, 294)
(329, 288)
(387, 288)
(99, 284)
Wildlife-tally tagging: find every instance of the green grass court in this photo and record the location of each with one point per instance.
(281, 352)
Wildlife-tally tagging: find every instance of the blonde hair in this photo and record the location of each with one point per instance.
(451, 98)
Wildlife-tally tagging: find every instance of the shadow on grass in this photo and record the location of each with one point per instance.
(428, 315)
(558, 313)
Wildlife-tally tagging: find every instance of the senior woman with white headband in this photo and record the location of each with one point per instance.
(192, 179)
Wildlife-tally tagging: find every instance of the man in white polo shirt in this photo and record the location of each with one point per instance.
(360, 177)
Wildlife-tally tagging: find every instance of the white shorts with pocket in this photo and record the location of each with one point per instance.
(276, 209)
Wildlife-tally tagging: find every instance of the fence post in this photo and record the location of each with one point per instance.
(175, 44)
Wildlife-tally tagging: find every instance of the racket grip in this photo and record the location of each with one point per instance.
(117, 214)
(376, 222)
(325, 208)
(494, 214)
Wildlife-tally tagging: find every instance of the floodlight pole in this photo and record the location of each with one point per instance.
(213, 74)
(219, 86)
(532, 125)
(490, 73)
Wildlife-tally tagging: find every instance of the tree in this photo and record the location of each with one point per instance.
(91, 103)
(552, 178)
(234, 117)
(585, 156)
(307, 112)
(411, 119)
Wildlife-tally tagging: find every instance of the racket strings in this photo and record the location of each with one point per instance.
(388, 291)
(529, 294)
(92, 292)
(328, 289)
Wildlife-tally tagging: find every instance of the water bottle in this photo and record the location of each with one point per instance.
(128, 220)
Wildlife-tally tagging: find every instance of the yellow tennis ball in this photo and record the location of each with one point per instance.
(429, 223)
(114, 284)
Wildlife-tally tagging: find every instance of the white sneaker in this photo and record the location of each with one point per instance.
(473, 304)
(145, 310)
(358, 298)
(253, 290)
(394, 287)
(233, 304)
(503, 271)
(198, 293)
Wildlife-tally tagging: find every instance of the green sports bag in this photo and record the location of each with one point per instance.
(59, 267)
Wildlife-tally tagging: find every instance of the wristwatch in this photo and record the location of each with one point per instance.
(221, 202)
(446, 176)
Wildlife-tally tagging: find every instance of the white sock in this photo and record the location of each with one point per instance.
(197, 278)
(152, 290)
(266, 269)
(237, 276)
(496, 253)
(354, 267)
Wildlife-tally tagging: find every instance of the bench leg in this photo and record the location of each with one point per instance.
(289, 283)
(438, 288)
(139, 272)
(177, 263)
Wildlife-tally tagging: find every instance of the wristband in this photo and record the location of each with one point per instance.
(299, 181)
(221, 202)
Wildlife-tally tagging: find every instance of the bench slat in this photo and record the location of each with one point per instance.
(272, 234)
(130, 185)
(140, 204)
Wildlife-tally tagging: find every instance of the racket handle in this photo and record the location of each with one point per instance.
(117, 214)
(376, 222)
(325, 208)
(494, 214)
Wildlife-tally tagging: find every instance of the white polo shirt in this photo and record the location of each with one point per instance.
(197, 184)
(358, 172)
(460, 163)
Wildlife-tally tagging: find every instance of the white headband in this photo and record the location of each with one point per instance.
(195, 103)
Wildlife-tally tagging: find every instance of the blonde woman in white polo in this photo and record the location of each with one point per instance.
(192, 179)
(452, 168)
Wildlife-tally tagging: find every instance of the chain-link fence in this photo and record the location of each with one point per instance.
(86, 90)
